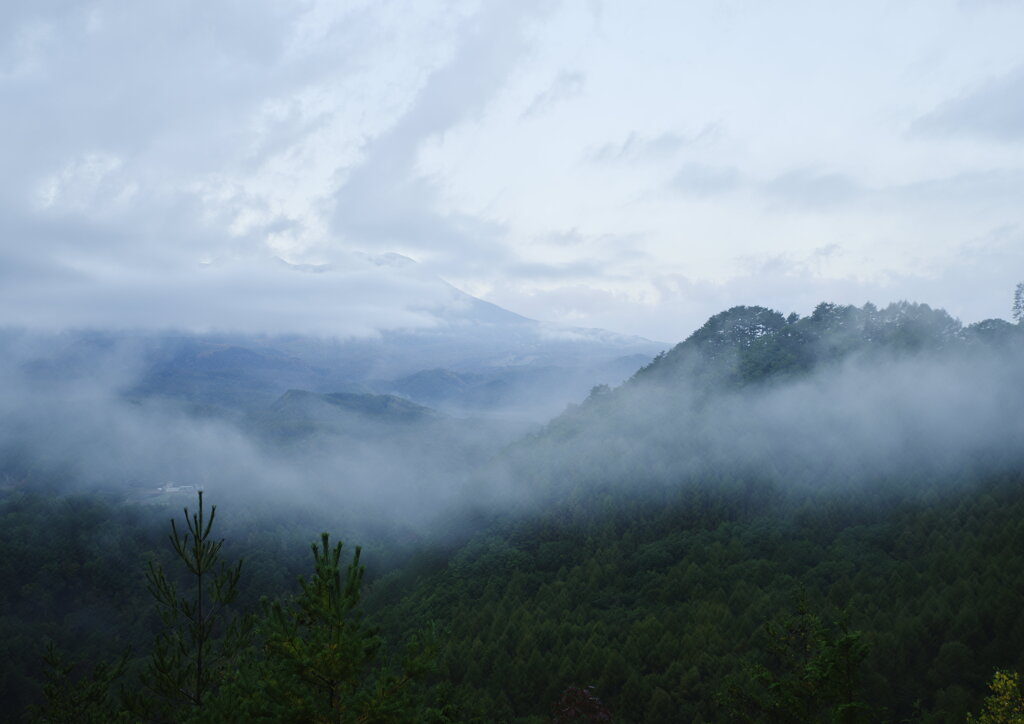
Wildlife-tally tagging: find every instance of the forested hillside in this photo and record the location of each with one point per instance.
(780, 519)
(684, 608)
(743, 531)
(830, 401)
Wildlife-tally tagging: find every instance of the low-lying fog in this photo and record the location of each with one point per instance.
(399, 463)
(853, 423)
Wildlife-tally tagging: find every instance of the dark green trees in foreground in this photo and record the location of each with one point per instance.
(318, 660)
(200, 638)
(308, 658)
(653, 615)
(639, 587)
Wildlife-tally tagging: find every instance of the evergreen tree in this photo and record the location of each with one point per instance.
(189, 657)
(319, 658)
(814, 676)
(580, 705)
(1018, 304)
(89, 700)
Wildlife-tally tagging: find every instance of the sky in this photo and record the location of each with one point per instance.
(634, 166)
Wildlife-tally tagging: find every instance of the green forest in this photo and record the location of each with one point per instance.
(781, 519)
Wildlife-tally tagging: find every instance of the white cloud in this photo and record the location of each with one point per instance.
(566, 85)
(660, 143)
(355, 296)
(994, 110)
(701, 180)
(640, 147)
(82, 184)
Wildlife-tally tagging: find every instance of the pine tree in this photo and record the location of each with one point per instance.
(88, 700)
(201, 636)
(1018, 304)
(320, 658)
(815, 675)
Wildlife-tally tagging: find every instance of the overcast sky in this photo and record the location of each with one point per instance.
(635, 166)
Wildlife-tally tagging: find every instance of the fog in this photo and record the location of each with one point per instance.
(92, 411)
(880, 421)
(354, 295)
(86, 432)
(890, 419)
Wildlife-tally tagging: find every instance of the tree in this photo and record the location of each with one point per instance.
(1018, 304)
(319, 658)
(1004, 705)
(88, 700)
(814, 675)
(189, 657)
(580, 704)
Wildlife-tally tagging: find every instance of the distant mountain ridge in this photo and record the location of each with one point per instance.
(300, 414)
(387, 407)
(843, 395)
(747, 344)
(510, 387)
(476, 355)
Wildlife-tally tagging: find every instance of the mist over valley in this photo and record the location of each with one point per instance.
(533, 362)
(757, 424)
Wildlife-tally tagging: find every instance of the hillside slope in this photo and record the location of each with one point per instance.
(779, 519)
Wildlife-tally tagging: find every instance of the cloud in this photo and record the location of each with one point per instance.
(675, 304)
(809, 189)
(839, 427)
(696, 179)
(806, 189)
(87, 426)
(382, 202)
(115, 133)
(568, 238)
(155, 137)
(641, 147)
(355, 296)
(574, 237)
(570, 270)
(149, 140)
(566, 85)
(993, 110)
(971, 189)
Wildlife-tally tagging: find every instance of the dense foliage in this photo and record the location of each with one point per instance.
(663, 606)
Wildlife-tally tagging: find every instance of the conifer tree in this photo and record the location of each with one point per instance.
(200, 637)
(815, 676)
(320, 658)
(88, 700)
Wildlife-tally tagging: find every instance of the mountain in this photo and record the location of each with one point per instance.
(533, 390)
(505, 363)
(779, 519)
(837, 398)
(299, 413)
(749, 344)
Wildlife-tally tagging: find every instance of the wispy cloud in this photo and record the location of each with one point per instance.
(566, 85)
(638, 146)
(355, 296)
(697, 179)
(382, 202)
(155, 137)
(811, 189)
(993, 110)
